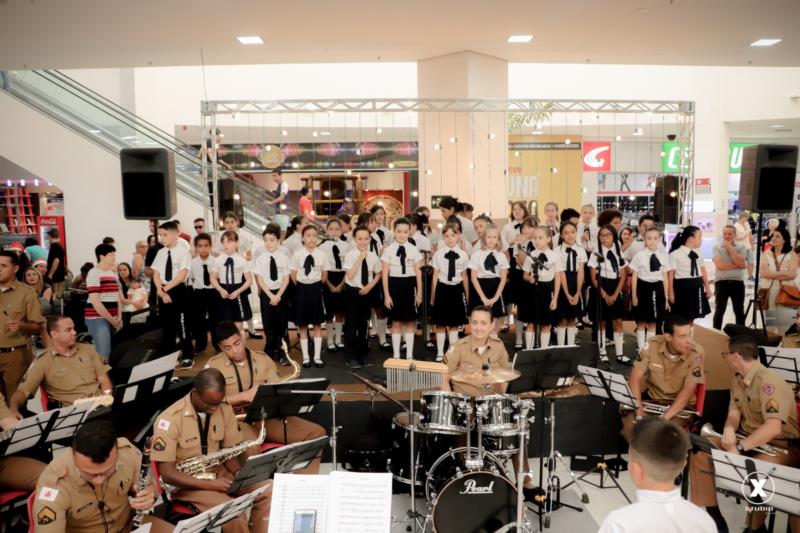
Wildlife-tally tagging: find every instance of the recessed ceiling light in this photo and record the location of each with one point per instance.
(324, 133)
(520, 39)
(776, 126)
(250, 39)
(765, 42)
(536, 132)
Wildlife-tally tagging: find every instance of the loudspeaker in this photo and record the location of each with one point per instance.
(768, 174)
(148, 183)
(666, 200)
(230, 199)
(332, 192)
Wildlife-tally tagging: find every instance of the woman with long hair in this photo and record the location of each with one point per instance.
(689, 289)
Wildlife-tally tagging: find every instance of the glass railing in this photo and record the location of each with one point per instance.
(113, 127)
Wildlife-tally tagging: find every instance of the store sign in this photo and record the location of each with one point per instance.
(702, 186)
(735, 157)
(671, 158)
(596, 156)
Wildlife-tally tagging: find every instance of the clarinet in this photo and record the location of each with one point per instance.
(144, 479)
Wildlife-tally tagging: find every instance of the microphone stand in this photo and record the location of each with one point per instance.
(599, 314)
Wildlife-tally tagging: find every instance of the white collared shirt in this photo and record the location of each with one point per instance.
(682, 264)
(637, 246)
(245, 244)
(511, 231)
(390, 256)
(374, 265)
(478, 261)
(320, 265)
(658, 512)
(240, 266)
(641, 265)
(442, 264)
(422, 243)
(605, 268)
(467, 229)
(181, 260)
(580, 256)
(591, 244)
(551, 266)
(342, 246)
(388, 236)
(196, 271)
(282, 261)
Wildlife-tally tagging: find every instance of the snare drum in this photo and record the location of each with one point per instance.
(499, 414)
(442, 412)
(427, 448)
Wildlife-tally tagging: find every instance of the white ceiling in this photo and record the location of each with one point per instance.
(116, 33)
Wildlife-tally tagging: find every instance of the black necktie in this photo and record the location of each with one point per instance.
(206, 276)
(451, 257)
(543, 258)
(229, 271)
(273, 268)
(612, 258)
(655, 264)
(336, 259)
(308, 264)
(518, 226)
(344, 238)
(401, 253)
(373, 246)
(490, 263)
(530, 246)
(381, 235)
(572, 266)
(168, 267)
(693, 270)
(364, 273)
(412, 241)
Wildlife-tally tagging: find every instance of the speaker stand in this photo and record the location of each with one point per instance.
(753, 303)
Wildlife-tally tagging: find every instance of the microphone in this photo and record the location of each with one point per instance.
(101, 505)
(536, 261)
(600, 257)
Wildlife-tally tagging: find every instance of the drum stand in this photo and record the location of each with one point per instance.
(522, 524)
(412, 515)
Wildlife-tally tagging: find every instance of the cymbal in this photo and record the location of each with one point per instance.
(486, 377)
(377, 388)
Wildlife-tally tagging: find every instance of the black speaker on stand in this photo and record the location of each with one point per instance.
(148, 183)
(667, 201)
(766, 185)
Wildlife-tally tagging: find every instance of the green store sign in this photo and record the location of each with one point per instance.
(735, 157)
(671, 158)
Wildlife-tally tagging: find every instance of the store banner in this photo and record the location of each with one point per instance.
(671, 157)
(735, 157)
(596, 156)
(702, 186)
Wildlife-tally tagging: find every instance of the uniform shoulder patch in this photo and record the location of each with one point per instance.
(772, 406)
(768, 389)
(159, 444)
(45, 516)
(48, 494)
(696, 372)
(163, 424)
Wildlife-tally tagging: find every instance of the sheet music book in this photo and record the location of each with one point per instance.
(343, 501)
(156, 367)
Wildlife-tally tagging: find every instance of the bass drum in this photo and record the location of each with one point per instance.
(427, 448)
(477, 501)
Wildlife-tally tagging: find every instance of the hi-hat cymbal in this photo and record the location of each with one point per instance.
(486, 377)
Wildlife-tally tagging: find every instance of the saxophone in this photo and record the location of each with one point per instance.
(202, 466)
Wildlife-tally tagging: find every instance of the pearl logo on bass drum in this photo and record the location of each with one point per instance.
(471, 487)
(596, 156)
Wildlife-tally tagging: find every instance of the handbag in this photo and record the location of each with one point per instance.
(788, 296)
(763, 298)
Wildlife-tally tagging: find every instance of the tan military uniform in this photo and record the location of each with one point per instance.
(665, 375)
(464, 356)
(257, 370)
(18, 302)
(176, 437)
(67, 502)
(758, 396)
(17, 473)
(66, 378)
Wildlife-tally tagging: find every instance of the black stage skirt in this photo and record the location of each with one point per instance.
(449, 306)
(489, 288)
(650, 295)
(613, 312)
(565, 310)
(690, 298)
(237, 310)
(535, 308)
(334, 302)
(309, 304)
(403, 292)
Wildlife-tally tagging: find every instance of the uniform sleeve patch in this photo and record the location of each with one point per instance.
(163, 424)
(45, 516)
(768, 389)
(159, 444)
(772, 406)
(48, 494)
(696, 372)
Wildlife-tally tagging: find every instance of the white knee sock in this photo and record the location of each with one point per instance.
(409, 337)
(640, 336)
(650, 333)
(337, 328)
(380, 328)
(618, 342)
(545, 339)
(304, 348)
(329, 333)
(520, 330)
(572, 332)
(396, 344)
(317, 349)
(440, 337)
(529, 340)
(561, 336)
(452, 336)
(250, 327)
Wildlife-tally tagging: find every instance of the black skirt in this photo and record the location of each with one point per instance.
(515, 287)
(614, 311)
(403, 292)
(690, 298)
(237, 310)
(535, 309)
(334, 302)
(489, 288)
(565, 310)
(449, 306)
(650, 295)
(309, 304)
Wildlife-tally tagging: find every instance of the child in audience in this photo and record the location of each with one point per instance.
(273, 269)
(335, 250)
(573, 257)
(137, 298)
(449, 288)
(489, 272)
(650, 269)
(402, 286)
(363, 268)
(309, 273)
(541, 270)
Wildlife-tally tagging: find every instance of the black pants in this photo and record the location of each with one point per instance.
(276, 321)
(175, 320)
(356, 328)
(724, 289)
(204, 317)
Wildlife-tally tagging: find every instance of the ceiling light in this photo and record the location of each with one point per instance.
(314, 134)
(284, 133)
(429, 172)
(584, 190)
(348, 172)
(250, 39)
(268, 148)
(631, 197)
(22, 183)
(519, 39)
(326, 194)
(36, 183)
(536, 133)
(618, 138)
(237, 197)
(378, 130)
(673, 194)
(776, 126)
(414, 194)
(324, 133)
(554, 170)
(471, 166)
(765, 42)
(567, 141)
(516, 153)
(453, 140)
(437, 146)
(391, 165)
(492, 135)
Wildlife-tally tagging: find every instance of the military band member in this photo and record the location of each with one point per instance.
(94, 486)
(244, 370)
(20, 316)
(762, 407)
(203, 422)
(69, 370)
(16, 473)
(667, 372)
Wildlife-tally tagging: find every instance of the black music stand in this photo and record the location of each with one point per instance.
(283, 460)
(544, 369)
(784, 361)
(46, 427)
(607, 386)
(290, 398)
(221, 514)
(146, 380)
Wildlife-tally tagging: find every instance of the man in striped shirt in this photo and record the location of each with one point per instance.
(102, 308)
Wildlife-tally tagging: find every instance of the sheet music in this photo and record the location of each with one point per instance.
(155, 367)
(144, 529)
(292, 492)
(130, 394)
(359, 502)
(784, 361)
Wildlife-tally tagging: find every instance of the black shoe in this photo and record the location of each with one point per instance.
(254, 335)
(306, 364)
(386, 347)
(332, 348)
(283, 360)
(185, 363)
(319, 364)
(352, 363)
(531, 495)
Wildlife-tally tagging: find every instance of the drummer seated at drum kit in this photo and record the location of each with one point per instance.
(478, 365)
(665, 376)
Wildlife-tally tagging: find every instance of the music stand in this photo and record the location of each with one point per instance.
(784, 361)
(145, 380)
(221, 514)
(543, 369)
(283, 460)
(606, 386)
(781, 488)
(45, 427)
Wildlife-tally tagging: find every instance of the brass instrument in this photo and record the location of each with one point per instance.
(658, 409)
(201, 466)
(707, 431)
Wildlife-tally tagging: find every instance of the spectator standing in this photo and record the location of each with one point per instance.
(729, 258)
(778, 267)
(102, 308)
(305, 204)
(56, 263)
(34, 249)
(137, 263)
